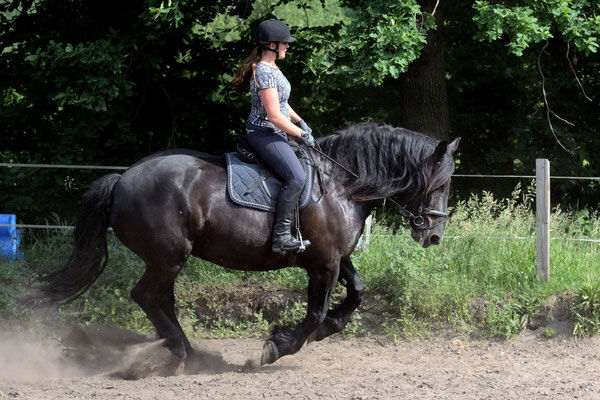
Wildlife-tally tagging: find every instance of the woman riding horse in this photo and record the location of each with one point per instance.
(174, 203)
(270, 123)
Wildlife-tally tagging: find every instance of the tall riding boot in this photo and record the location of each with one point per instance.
(282, 239)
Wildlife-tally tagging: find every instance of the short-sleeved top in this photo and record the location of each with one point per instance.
(268, 77)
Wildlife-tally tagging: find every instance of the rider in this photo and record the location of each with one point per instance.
(271, 121)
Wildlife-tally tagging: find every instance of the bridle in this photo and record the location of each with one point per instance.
(418, 220)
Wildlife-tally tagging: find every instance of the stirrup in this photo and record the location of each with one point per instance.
(303, 245)
(298, 248)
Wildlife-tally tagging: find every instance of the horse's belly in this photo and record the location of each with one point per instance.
(240, 256)
(242, 240)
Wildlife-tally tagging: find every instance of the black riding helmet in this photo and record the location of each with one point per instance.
(272, 30)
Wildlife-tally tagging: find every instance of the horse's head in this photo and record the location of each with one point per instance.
(428, 221)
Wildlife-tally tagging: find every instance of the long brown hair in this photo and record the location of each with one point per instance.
(241, 80)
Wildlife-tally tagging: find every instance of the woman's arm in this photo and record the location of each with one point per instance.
(270, 100)
(294, 115)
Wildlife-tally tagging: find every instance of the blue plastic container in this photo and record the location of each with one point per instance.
(10, 238)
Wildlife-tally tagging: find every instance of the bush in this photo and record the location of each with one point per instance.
(586, 309)
(470, 280)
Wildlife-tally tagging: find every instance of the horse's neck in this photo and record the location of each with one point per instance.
(356, 210)
(364, 209)
(333, 188)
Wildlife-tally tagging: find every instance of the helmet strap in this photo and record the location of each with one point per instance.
(276, 50)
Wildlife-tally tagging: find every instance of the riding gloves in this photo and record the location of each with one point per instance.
(308, 139)
(304, 126)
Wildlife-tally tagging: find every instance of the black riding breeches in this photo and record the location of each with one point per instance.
(277, 153)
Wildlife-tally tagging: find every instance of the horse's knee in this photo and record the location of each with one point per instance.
(141, 296)
(167, 299)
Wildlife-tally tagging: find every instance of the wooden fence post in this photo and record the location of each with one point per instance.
(367, 232)
(542, 218)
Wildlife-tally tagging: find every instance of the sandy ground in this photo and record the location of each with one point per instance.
(528, 367)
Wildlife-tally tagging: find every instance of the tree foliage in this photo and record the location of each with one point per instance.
(525, 23)
(108, 82)
(379, 40)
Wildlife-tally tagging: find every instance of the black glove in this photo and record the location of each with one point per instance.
(304, 126)
(308, 139)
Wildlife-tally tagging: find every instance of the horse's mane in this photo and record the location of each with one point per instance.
(387, 161)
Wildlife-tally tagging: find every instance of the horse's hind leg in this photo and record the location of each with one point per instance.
(285, 341)
(339, 317)
(150, 293)
(167, 303)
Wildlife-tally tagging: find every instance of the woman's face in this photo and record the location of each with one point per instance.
(283, 46)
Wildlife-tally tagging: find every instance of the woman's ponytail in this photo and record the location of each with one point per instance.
(241, 80)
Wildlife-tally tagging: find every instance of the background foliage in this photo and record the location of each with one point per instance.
(87, 82)
(477, 285)
(106, 83)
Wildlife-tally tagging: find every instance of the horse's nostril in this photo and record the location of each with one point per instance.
(435, 239)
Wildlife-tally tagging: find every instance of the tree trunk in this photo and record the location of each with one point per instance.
(423, 101)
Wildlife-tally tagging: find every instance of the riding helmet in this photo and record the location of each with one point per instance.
(272, 30)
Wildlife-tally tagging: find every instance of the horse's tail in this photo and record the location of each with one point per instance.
(89, 255)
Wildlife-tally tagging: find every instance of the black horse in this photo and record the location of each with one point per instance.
(174, 204)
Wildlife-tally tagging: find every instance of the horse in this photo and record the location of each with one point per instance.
(173, 204)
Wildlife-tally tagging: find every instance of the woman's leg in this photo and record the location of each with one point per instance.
(276, 152)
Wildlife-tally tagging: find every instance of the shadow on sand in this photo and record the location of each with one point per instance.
(98, 349)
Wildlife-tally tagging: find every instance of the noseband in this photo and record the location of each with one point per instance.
(418, 219)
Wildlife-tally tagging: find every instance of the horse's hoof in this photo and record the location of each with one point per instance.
(318, 334)
(312, 337)
(270, 353)
(176, 347)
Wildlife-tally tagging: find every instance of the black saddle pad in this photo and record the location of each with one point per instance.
(255, 186)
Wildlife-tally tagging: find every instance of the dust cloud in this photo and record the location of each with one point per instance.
(29, 354)
(25, 356)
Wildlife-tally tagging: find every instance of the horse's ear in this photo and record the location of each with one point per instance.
(443, 147)
(440, 150)
(454, 145)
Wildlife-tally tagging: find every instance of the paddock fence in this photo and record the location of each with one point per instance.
(542, 179)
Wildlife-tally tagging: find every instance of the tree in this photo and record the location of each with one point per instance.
(88, 82)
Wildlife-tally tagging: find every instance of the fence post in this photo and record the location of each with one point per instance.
(367, 233)
(542, 218)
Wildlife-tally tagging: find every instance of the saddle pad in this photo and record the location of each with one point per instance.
(255, 187)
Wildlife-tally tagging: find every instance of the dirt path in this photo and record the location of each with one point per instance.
(528, 367)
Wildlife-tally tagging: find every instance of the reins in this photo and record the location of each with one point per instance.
(333, 161)
(418, 220)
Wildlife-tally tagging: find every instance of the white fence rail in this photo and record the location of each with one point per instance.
(62, 166)
(542, 237)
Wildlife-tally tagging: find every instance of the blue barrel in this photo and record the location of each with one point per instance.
(10, 238)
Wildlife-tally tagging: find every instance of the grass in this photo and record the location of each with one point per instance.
(469, 282)
(442, 283)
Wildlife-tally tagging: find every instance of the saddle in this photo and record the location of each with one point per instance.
(253, 184)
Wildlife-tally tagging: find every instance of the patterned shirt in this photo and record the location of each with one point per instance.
(268, 77)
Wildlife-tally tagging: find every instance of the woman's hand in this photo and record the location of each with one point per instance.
(308, 139)
(304, 126)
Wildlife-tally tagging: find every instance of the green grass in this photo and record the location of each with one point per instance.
(469, 282)
(440, 284)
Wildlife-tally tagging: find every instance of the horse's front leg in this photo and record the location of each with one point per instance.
(339, 317)
(284, 341)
